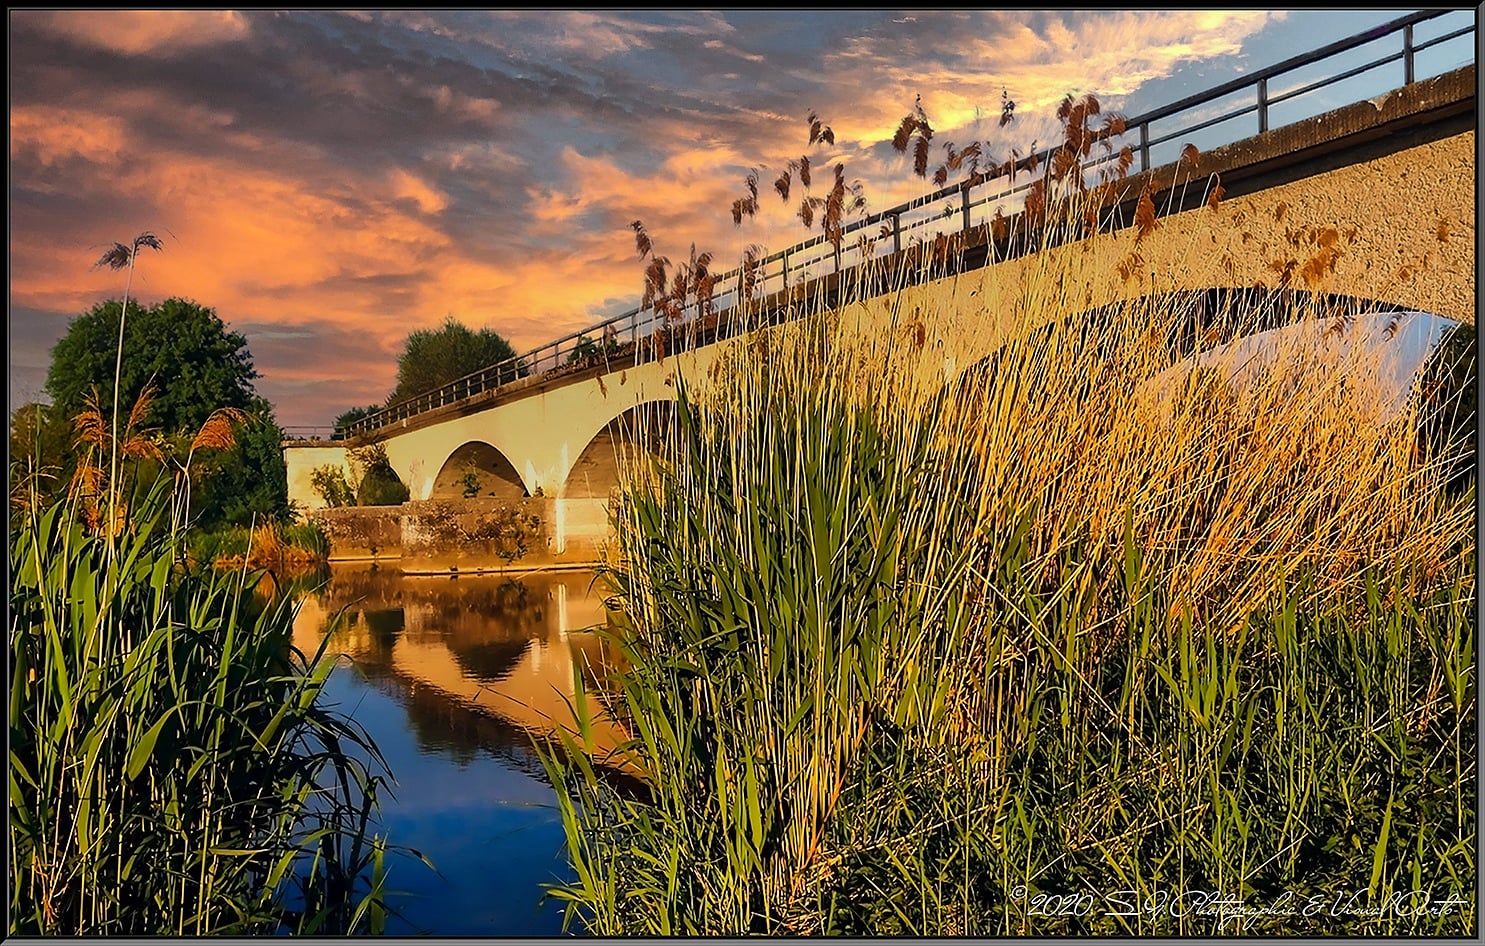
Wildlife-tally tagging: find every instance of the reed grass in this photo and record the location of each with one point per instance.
(268, 545)
(172, 769)
(1007, 651)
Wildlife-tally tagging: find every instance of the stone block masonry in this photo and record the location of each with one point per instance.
(470, 535)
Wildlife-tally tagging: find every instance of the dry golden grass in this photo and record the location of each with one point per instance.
(1234, 480)
(218, 431)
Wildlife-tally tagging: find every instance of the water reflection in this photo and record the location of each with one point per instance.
(481, 663)
(453, 679)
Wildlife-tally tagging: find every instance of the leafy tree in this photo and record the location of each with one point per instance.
(41, 457)
(181, 348)
(331, 483)
(432, 358)
(380, 485)
(39, 436)
(194, 366)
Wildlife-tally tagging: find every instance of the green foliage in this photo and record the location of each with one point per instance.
(759, 655)
(584, 347)
(869, 699)
(172, 769)
(41, 453)
(372, 482)
(470, 483)
(308, 536)
(38, 434)
(233, 542)
(206, 547)
(586, 350)
(194, 366)
(380, 485)
(246, 483)
(181, 348)
(432, 358)
(330, 483)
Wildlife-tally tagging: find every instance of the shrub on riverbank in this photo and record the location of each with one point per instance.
(172, 771)
(270, 545)
(1048, 648)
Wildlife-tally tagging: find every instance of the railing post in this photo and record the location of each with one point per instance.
(1144, 146)
(897, 233)
(964, 203)
(1408, 54)
(1262, 105)
(784, 274)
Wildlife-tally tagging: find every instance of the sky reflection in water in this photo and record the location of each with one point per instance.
(452, 677)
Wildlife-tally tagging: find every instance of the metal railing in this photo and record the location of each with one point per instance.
(309, 433)
(921, 219)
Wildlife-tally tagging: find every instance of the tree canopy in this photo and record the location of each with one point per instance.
(182, 349)
(432, 358)
(194, 366)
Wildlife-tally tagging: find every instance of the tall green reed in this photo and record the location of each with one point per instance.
(172, 770)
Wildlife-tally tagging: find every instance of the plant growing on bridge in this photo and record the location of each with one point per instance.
(377, 483)
(470, 483)
(587, 351)
(366, 479)
(330, 483)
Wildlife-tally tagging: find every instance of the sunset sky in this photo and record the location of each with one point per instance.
(330, 181)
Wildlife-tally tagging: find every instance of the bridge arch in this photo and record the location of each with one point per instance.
(595, 472)
(1241, 332)
(1196, 320)
(480, 469)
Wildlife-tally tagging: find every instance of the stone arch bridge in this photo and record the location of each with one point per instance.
(1374, 200)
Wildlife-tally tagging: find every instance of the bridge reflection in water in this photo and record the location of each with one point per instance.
(478, 663)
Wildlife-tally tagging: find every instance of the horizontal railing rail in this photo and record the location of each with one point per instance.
(921, 219)
(323, 432)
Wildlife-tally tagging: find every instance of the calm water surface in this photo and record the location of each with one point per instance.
(454, 678)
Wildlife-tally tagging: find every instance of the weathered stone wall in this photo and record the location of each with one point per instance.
(361, 532)
(470, 534)
(484, 534)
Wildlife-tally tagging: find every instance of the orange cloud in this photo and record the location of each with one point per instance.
(155, 32)
(58, 134)
(277, 233)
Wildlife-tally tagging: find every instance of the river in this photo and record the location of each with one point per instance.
(453, 678)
